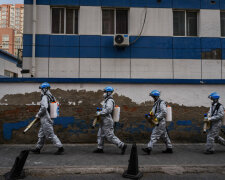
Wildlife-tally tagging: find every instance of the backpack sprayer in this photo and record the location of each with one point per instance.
(115, 116)
(150, 117)
(54, 113)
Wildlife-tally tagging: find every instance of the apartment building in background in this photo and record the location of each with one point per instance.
(11, 19)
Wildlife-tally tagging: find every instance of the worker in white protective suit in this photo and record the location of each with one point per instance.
(46, 130)
(106, 130)
(159, 131)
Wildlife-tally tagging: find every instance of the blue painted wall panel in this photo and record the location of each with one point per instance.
(90, 52)
(42, 51)
(152, 42)
(27, 51)
(222, 4)
(90, 41)
(64, 52)
(64, 40)
(115, 3)
(223, 53)
(210, 43)
(187, 4)
(27, 39)
(90, 2)
(206, 4)
(42, 40)
(113, 52)
(187, 53)
(223, 42)
(107, 41)
(151, 53)
(162, 4)
(186, 42)
(65, 2)
(138, 3)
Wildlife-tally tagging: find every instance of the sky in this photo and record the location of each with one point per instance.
(11, 1)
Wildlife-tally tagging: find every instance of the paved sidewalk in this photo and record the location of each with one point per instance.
(78, 158)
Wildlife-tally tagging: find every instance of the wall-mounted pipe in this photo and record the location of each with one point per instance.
(33, 68)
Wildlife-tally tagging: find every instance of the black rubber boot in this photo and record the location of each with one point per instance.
(98, 151)
(59, 151)
(209, 152)
(36, 151)
(123, 150)
(147, 150)
(168, 150)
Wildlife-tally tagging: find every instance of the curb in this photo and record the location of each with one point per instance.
(166, 169)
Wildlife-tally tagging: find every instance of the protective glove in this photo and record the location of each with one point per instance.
(155, 121)
(209, 118)
(37, 116)
(98, 113)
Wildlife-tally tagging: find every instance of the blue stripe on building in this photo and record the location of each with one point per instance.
(112, 80)
(95, 46)
(180, 4)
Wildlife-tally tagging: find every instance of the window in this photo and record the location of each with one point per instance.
(5, 45)
(185, 23)
(222, 22)
(10, 74)
(64, 21)
(3, 17)
(5, 37)
(115, 20)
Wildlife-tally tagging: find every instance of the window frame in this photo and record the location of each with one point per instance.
(78, 19)
(185, 22)
(114, 15)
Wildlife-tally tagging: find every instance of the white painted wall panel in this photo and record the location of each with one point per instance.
(90, 68)
(41, 67)
(187, 69)
(209, 23)
(187, 95)
(223, 69)
(28, 15)
(43, 19)
(64, 67)
(115, 68)
(159, 21)
(151, 68)
(90, 20)
(211, 69)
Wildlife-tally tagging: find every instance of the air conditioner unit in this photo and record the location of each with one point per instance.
(121, 40)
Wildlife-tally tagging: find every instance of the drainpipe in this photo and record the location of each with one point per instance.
(33, 39)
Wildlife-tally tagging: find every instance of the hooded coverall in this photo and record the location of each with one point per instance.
(216, 123)
(46, 130)
(160, 110)
(106, 129)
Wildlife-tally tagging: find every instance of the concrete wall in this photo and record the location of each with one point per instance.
(19, 103)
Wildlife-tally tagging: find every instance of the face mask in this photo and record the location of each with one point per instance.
(105, 95)
(43, 91)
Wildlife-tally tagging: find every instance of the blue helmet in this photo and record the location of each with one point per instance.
(154, 93)
(44, 85)
(108, 89)
(214, 96)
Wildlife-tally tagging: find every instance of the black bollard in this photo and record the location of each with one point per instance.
(17, 169)
(133, 170)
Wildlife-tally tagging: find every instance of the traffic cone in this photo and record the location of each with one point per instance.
(133, 171)
(17, 169)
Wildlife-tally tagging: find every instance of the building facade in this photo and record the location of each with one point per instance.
(169, 39)
(11, 19)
